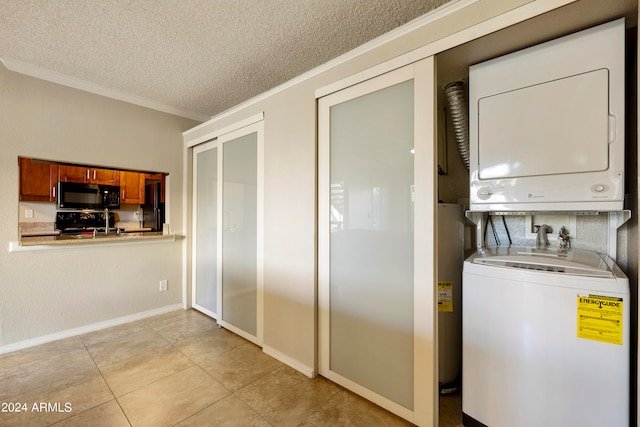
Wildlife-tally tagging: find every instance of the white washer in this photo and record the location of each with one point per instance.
(545, 339)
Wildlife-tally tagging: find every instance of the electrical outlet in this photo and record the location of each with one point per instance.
(163, 285)
(28, 213)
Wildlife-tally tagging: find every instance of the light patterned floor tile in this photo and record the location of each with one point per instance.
(139, 341)
(349, 410)
(44, 351)
(143, 369)
(229, 412)
(113, 333)
(181, 324)
(177, 368)
(241, 366)
(59, 400)
(172, 399)
(209, 343)
(106, 415)
(285, 397)
(39, 372)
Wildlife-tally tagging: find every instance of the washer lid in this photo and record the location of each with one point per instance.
(574, 262)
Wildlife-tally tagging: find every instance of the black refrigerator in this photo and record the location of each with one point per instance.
(153, 209)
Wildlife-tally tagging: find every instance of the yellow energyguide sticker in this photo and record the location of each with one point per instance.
(445, 296)
(600, 318)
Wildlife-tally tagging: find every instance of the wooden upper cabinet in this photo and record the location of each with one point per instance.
(105, 176)
(131, 188)
(38, 180)
(72, 173)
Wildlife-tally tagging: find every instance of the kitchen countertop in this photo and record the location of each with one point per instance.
(73, 240)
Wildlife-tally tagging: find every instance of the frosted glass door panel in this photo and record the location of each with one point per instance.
(206, 231)
(239, 235)
(371, 242)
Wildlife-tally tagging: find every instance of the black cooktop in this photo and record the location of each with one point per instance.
(76, 222)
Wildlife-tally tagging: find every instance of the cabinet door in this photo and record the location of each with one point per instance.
(70, 173)
(105, 176)
(131, 188)
(37, 180)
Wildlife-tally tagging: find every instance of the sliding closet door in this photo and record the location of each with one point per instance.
(205, 229)
(228, 230)
(241, 286)
(374, 299)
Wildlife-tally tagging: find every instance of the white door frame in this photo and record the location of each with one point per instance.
(258, 128)
(425, 347)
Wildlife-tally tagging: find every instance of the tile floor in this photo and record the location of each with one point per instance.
(174, 369)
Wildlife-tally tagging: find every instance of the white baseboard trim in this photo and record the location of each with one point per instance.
(300, 367)
(20, 345)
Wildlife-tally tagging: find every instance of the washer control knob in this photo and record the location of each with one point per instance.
(599, 188)
(484, 193)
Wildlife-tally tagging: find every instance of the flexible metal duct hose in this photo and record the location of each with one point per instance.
(458, 112)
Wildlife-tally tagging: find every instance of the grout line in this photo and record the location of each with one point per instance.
(172, 346)
(169, 344)
(231, 392)
(105, 382)
(333, 396)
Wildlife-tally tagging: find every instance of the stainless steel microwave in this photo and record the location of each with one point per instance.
(77, 195)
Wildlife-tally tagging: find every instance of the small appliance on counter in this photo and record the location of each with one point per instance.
(77, 223)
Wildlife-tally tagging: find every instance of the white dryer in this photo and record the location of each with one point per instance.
(545, 339)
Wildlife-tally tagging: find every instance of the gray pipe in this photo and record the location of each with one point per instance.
(455, 93)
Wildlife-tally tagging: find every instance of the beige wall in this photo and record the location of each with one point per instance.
(53, 291)
(290, 182)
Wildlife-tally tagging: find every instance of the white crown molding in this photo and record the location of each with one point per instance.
(219, 132)
(31, 70)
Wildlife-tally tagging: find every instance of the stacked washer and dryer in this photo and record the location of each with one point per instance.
(546, 330)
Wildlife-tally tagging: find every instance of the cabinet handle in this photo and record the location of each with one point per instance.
(87, 174)
(54, 191)
(94, 174)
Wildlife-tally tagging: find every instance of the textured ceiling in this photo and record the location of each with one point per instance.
(200, 57)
